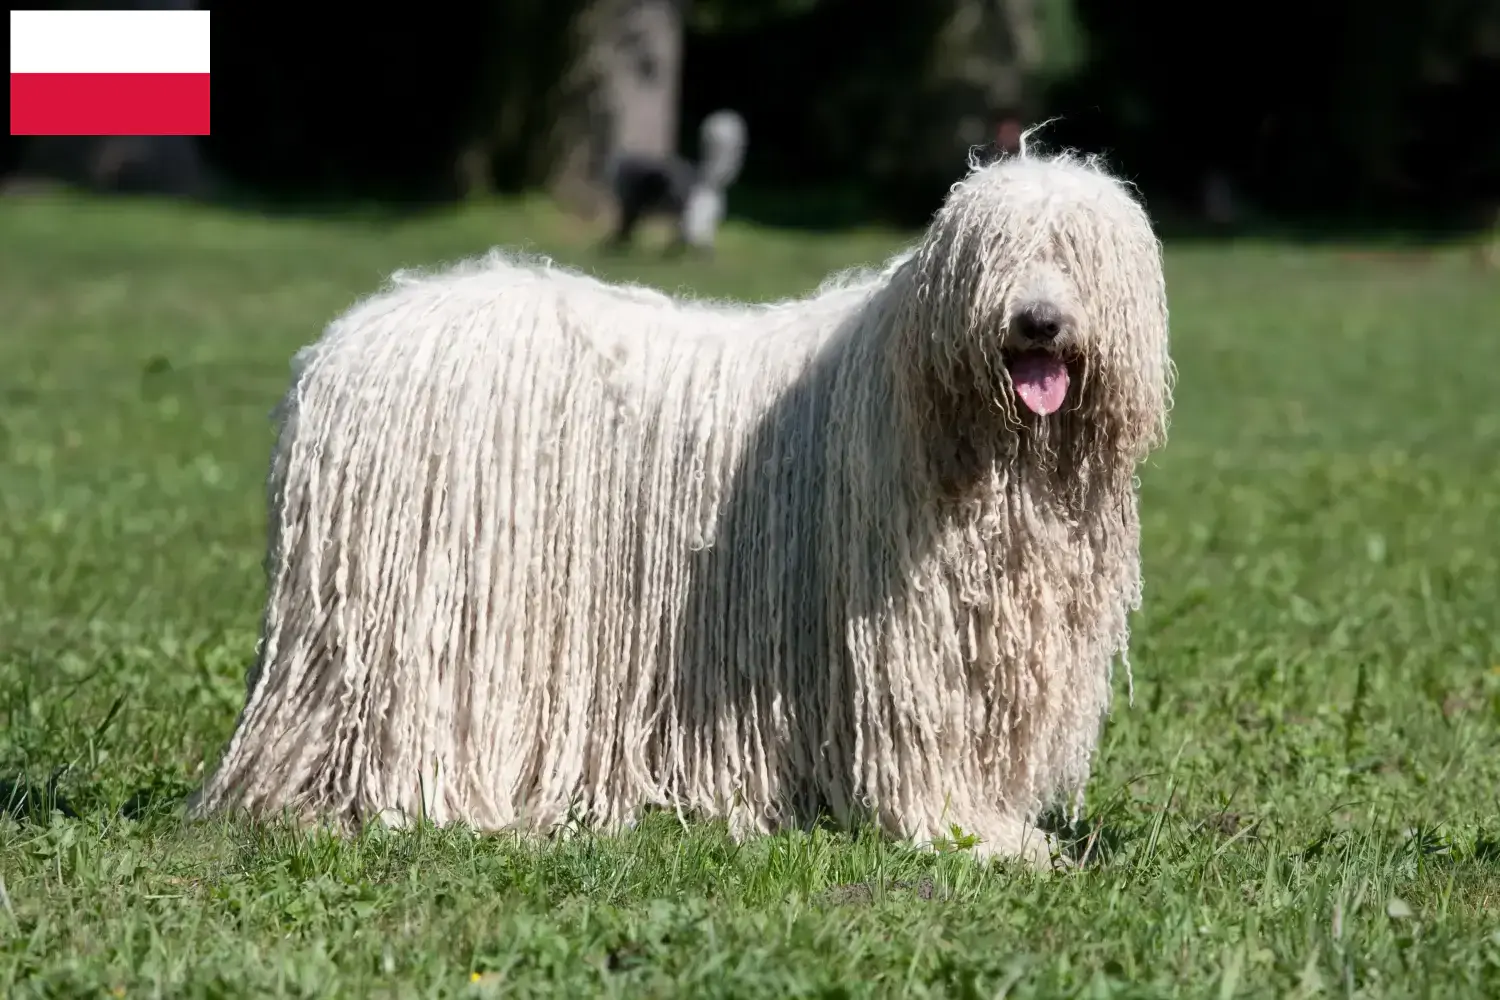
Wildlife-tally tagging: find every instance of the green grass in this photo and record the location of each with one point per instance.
(1303, 799)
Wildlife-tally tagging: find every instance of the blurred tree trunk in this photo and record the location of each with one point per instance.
(1010, 35)
(621, 96)
(993, 50)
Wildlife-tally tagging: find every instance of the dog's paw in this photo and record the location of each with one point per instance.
(1027, 843)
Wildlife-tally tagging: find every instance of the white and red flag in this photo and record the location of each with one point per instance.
(109, 72)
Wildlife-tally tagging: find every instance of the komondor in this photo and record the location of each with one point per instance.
(545, 549)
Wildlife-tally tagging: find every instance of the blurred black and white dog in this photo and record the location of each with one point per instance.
(693, 194)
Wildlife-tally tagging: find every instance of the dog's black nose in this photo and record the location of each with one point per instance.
(1039, 321)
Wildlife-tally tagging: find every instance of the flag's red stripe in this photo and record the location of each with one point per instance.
(109, 104)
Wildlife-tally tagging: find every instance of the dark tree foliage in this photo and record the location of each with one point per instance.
(1316, 108)
(834, 94)
(386, 103)
(1313, 108)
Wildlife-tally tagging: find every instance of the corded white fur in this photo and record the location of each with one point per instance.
(542, 546)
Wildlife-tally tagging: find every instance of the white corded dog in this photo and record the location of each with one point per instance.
(544, 547)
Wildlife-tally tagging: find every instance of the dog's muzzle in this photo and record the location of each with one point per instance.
(1037, 371)
(1040, 323)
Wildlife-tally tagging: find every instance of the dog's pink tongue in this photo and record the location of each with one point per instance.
(1041, 381)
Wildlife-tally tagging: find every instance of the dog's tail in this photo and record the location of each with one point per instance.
(722, 139)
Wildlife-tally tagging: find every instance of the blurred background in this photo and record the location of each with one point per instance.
(1301, 115)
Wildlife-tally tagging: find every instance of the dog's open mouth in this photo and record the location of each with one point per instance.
(1041, 380)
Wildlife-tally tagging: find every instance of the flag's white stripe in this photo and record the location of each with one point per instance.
(109, 41)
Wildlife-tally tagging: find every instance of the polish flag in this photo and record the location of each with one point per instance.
(109, 72)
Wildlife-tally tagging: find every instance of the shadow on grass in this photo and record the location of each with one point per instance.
(247, 201)
(833, 210)
(31, 802)
(841, 208)
(310, 208)
(1090, 841)
(1411, 234)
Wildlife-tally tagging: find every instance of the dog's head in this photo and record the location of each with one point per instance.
(1035, 309)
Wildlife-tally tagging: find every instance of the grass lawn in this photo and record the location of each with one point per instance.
(1303, 799)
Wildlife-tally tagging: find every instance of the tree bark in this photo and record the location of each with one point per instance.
(622, 95)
